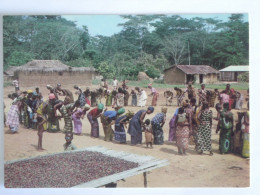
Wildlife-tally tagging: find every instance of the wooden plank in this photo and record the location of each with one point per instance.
(116, 177)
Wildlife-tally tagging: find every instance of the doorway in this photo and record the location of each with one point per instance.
(201, 78)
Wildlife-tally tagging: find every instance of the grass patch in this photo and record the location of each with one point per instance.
(161, 84)
(7, 83)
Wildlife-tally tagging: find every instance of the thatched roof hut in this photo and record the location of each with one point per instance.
(53, 72)
(9, 73)
(190, 73)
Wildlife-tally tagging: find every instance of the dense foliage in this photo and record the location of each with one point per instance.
(147, 43)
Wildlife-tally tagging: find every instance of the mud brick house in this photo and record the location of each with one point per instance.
(43, 72)
(182, 74)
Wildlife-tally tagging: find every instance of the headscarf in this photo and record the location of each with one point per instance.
(29, 91)
(87, 107)
(130, 113)
(151, 108)
(121, 111)
(100, 106)
(164, 110)
(52, 96)
(185, 103)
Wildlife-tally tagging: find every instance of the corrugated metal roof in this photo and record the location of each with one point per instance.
(234, 68)
(196, 69)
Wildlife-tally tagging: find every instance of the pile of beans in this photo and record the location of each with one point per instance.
(63, 170)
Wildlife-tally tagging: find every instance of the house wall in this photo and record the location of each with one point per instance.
(210, 78)
(28, 79)
(229, 76)
(174, 76)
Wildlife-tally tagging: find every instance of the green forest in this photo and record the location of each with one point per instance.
(148, 43)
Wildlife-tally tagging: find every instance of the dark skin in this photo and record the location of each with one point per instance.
(69, 138)
(40, 132)
(141, 119)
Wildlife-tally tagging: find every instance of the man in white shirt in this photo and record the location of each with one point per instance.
(115, 83)
(16, 85)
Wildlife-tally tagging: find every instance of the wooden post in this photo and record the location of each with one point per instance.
(145, 180)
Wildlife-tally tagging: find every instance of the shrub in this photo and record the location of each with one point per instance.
(244, 77)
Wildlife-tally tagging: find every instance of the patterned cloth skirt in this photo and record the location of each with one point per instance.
(108, 131)
(13, 118)
(204, 137)
(225, 140)
(245, 149)
(182, 135)
(68, 127)
(154, 100)
(120, 135)
(158, 134)
(94, 126)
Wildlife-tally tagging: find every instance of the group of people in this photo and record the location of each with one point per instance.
(190, 124)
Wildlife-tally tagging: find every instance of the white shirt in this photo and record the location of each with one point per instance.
(16, 83)
(115, 83)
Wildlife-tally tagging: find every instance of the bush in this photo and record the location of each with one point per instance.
(153, 72)
(244, 77)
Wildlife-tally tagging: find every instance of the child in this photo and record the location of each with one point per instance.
(134, 97)
(68, 146)
(41, 124)
(148, 133)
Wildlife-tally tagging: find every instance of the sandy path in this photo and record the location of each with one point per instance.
(192, 170)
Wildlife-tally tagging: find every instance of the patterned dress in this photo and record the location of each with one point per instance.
(172, 130)
(204, 131)
(212, 99)
(182, 133)
(67, 117)
(13, 118)
(53, 122)
(157, 129)
(120, 135)
(120, 100)
(135, 129)
(225, 133)
(94, 122)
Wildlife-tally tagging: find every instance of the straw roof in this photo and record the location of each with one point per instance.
(51, 66)
(10, 70)
(195, 69)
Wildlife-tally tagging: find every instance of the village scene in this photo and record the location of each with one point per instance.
(164, 102)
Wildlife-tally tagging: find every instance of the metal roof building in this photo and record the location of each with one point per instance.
(232, 72)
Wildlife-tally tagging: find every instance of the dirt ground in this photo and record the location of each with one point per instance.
(192, 170)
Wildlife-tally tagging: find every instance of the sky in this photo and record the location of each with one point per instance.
(107, 25)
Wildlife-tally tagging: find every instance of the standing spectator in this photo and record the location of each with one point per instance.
(204, 130)
(115, 83)
(16, 84)
(134, 97)
(154, 94)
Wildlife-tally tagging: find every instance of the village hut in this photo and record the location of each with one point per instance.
(43, 72)
(9, 73)
(183, 74)
(232, 72)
